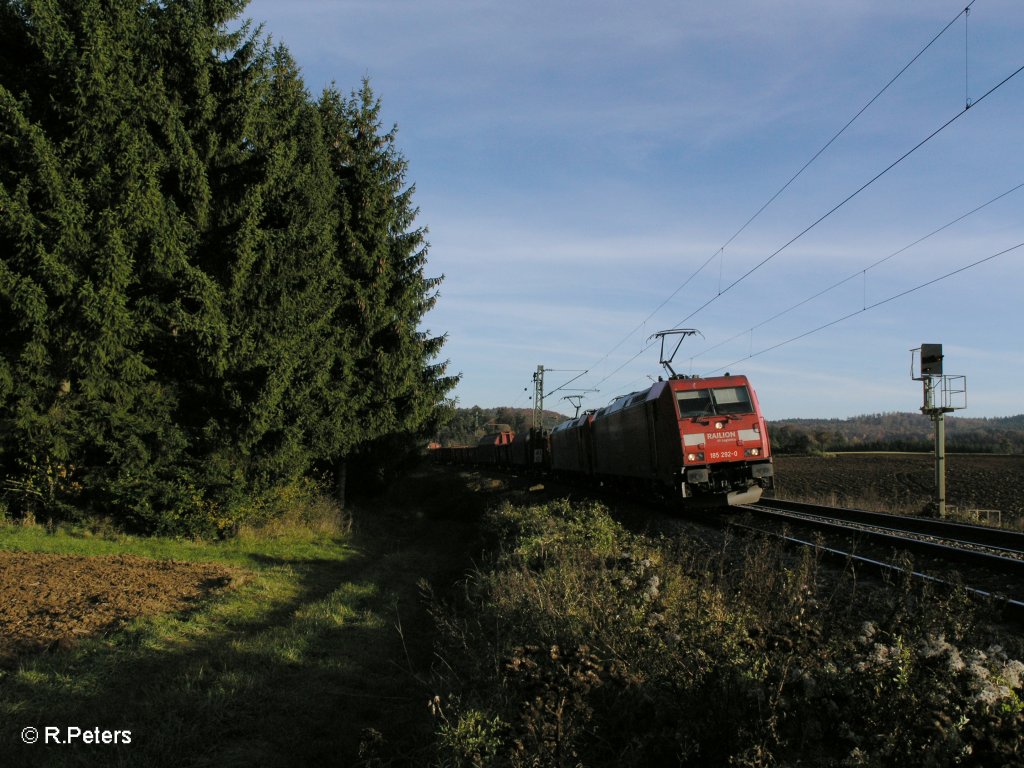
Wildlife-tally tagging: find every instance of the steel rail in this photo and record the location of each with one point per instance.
(1012, 608)
(981, 535)
(957, 538)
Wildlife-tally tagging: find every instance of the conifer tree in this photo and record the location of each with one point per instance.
(107, 137)
(274, 233)
(208, 281)
(84, 222)
(398, 385)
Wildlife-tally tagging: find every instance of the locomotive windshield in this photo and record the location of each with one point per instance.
(713, 402)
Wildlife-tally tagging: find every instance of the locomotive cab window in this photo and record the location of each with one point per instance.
(732, 400)
(694, 402)
(721, 401)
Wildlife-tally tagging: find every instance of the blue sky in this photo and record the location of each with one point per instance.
(576, 163)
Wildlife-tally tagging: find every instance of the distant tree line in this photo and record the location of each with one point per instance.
(896, 432)
(211, 283)
(467, 425)
(875, 432)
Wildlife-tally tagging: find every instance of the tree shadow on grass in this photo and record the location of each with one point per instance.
(255, 678)
(298, 683)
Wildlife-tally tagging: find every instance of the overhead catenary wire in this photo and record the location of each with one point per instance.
(862, 271)
(899, 295)
(854, 194)
(779, 192)
(827, 214)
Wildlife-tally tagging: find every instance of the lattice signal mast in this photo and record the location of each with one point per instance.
(538, 397)
(942, 394)
(539, 394)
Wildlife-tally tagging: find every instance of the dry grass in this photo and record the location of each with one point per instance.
(299, 510)
(872, 502)
(579, 643)
(866, 500)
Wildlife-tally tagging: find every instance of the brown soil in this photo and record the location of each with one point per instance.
(906, 481)
(50, 600)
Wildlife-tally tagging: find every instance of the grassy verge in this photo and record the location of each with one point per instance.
(316, 655)
(574, 642)
(872, 502)
(866, 500)
(581, 644)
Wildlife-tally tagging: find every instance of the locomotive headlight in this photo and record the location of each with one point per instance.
(752, 452)
(719, 424)
(695, 456)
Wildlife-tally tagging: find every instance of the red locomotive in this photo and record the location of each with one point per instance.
(701, 440)
(691, 438)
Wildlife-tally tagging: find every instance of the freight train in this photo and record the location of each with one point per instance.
(702, 440)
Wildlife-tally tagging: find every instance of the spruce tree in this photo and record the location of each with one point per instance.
(114, 118)
(274, 240)
(209, 283)
(398, 386)
(84, 222)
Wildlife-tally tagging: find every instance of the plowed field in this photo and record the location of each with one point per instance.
(907, 481)
(49, 600)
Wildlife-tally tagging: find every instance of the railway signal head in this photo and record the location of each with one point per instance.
(931, 359)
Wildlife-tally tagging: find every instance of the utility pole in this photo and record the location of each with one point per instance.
(538, 397)
(539, 394)
(942, 394)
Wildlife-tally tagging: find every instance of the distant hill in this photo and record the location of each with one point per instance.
(897, 432)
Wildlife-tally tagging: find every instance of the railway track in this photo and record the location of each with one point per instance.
(992, 557)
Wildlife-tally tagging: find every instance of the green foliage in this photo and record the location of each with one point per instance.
(84, 226)
(580, 643)
(209, 283)
(473, 740)
(398, 388)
